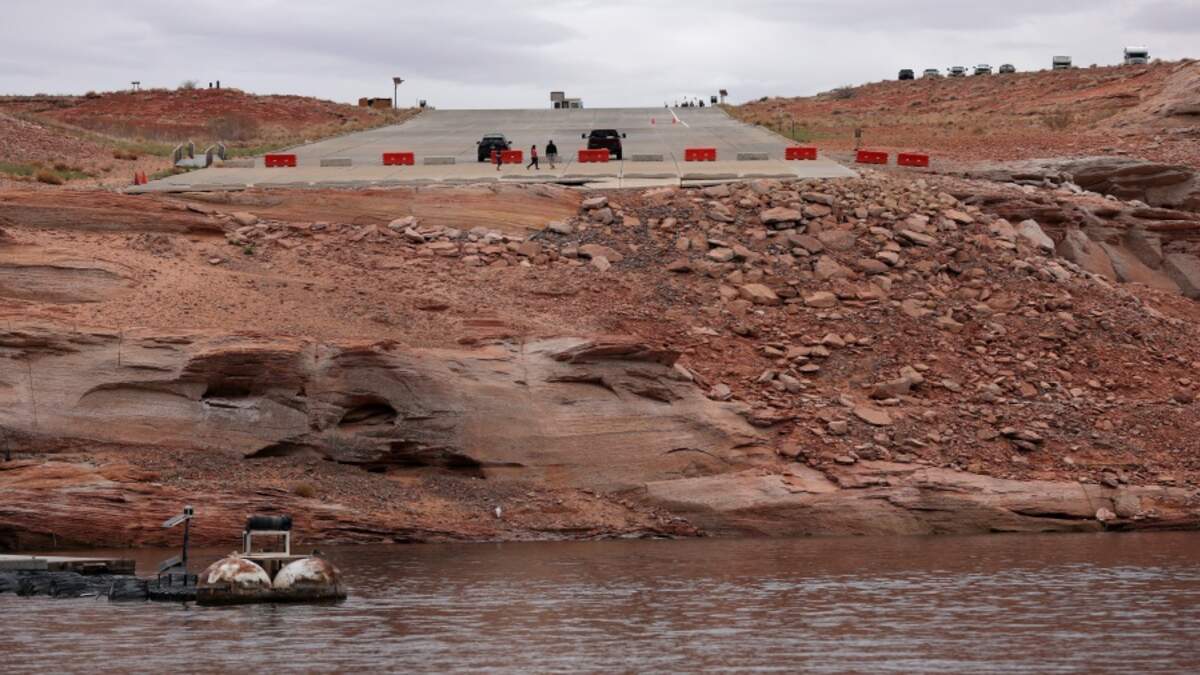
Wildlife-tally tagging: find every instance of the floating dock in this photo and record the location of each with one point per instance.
(59, 563)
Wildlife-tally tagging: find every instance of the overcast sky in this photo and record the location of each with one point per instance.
(511, 53)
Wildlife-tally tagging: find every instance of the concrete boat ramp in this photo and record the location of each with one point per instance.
(443, 144)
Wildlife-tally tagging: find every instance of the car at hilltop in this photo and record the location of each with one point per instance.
(957, 71)
(1008, 69)
(983, 69)
(931, 73)
(907, 74)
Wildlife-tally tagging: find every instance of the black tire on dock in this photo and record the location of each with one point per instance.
(128, 588)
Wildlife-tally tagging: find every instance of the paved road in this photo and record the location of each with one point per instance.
(453, 133)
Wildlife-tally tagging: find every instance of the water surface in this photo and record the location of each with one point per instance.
(1045, 604)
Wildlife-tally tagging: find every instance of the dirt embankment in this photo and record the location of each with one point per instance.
(103, 139)
(1148, 112)
(873, 355)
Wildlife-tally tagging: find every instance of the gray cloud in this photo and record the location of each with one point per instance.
(510, 53)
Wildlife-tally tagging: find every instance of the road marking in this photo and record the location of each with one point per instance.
(679, 120)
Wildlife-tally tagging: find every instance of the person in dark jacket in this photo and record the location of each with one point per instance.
(551, 153)
(533, 159)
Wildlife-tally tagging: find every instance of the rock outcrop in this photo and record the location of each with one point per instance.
(873, 498)
(603, 414)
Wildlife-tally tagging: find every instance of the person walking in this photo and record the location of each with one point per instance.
(551, 153)
(499, 158)
(533, 159)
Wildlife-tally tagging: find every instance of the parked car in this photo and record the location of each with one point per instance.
(1061, 63)
(931, 73)
(1007, 69)
(492, 143)
(957, 71)
(983, 69)
(607, 139)
(1137, 56)
(907, 74)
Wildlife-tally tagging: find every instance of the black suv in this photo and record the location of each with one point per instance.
(605, 139)
(907, 74)
(492, 143)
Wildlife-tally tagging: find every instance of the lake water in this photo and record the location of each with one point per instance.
(1044, 604)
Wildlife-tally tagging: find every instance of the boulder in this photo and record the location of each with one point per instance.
(245, 219)
(837, 240)
(1131, 270)
(1076, 247)
(1147, 247)
(780, 215)
(598, 250)
(821, 300)
(1184, 270)
(1030, 231)
(828, 268)
(758, 294)
(721, 254)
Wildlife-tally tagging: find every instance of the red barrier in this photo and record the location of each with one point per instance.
(869, 157)
(700, 155)
(512, 157)
(912, 159)
(600, 155)
(800, 153)
(399, 159)
(280, 160)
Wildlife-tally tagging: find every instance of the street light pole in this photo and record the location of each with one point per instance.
(396, 82)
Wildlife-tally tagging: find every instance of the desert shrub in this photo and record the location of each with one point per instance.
(305, 490)
(48, 177)
(842, 93)
(1058, 121)
(188, 85)
(233, 127)
(61, 166)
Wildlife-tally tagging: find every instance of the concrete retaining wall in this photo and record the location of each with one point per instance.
(336, 161)
(646, 158)
(438, 161)
(752, 156)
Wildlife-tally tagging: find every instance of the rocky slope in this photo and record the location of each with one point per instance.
(1143, 112)
(886, 354)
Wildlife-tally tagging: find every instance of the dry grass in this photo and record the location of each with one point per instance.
(305, 490)
(1058, 121)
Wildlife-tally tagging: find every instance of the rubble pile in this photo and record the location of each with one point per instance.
(879, 318)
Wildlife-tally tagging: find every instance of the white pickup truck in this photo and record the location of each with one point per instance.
(1062, 63)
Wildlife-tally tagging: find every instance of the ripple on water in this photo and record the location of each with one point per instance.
(1001, 604)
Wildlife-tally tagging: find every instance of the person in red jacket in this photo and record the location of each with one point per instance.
(533, 159)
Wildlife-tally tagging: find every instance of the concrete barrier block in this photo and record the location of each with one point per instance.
(438, 161)
(752, 156)
(336, 161)
(234, 164)
(646, 158)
